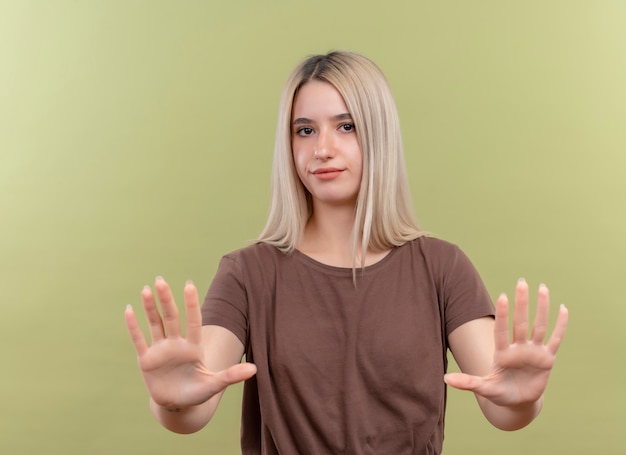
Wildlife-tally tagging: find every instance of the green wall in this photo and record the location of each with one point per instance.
(136, 140)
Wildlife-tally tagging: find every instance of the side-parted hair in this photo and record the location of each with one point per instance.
(383, 214)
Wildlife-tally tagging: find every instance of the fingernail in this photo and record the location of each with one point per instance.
(521, 280)
(159, 278)
(129, 307)
(188, 283)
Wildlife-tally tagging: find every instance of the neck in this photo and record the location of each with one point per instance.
(328, 235)
(328, 238)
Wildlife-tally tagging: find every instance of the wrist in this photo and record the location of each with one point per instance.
(167, 409)
(529, 407)
(513, 416)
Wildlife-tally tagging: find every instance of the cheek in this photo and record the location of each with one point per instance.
(299, 160)
(357, 158)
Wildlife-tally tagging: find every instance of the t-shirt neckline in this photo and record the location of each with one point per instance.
(343, 270)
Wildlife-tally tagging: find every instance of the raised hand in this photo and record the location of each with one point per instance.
(173, 367)
(521, 367)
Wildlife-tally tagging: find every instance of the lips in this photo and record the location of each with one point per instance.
(327, 173)
(326, 170)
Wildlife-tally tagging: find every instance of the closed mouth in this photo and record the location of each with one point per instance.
(326, 170)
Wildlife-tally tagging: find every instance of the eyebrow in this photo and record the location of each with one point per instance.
(334, 118)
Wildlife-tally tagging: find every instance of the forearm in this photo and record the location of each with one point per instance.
(185, 420)
(510, 418)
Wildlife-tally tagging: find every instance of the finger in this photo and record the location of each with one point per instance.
(501, 326)
(139, 341)
(559, 330)
(520, 317)
(234, 374)
(192, 313)
(155, 324)
(540, 326)
(171, 319)
(463, 381)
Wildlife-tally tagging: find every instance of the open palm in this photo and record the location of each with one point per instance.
(173, 366)
(521, 367)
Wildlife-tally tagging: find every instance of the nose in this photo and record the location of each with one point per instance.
(324, 147)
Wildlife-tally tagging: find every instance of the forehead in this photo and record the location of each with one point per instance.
(318, 98)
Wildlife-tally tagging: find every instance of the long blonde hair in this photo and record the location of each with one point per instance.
(383, 214)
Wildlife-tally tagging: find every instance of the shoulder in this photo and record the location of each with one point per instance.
(255, 251)
(247, 267)
(440, 256)
(258, 257)
(432, 247)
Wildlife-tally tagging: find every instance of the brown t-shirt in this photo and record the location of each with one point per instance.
(345, 369)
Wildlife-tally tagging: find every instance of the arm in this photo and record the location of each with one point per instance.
(508, 378)
(185, 377)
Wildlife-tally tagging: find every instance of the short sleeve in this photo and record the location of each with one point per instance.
(226, 302)
(465, 296)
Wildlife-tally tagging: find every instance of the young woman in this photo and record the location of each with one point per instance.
(343, 309)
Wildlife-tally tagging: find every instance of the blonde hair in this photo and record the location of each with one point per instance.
(383, 213)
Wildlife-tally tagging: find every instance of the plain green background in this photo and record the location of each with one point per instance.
(136, 140)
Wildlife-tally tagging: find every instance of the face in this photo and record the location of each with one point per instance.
(325, 148)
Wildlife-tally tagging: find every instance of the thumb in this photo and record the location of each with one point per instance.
(235, 374)
(463, 381)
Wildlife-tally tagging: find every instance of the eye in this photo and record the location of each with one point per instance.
(305, 131)
(347, 127)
